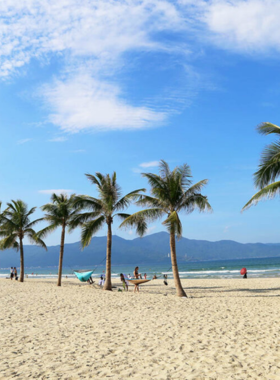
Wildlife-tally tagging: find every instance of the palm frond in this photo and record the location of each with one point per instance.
(35, 239)
(173, 224)
(87, 202)
(267, 192)
(125, 201)
(32, 224)
(269, 167)
(89, 229)
(8, 242)
(148, 201)
(139, 219)
(47, 230)
(122, 215)
(196, 202)
(78, 220)
(268, 128)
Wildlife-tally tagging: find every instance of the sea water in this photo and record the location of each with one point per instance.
(257, 268)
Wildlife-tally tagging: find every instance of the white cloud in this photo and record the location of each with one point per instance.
(23, 141)
(100, 29)
(150, 164)
(56, 191)
(250, 26)
(82, 103)
(93, 35)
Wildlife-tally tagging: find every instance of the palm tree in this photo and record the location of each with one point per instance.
(269, 168)
(102, 211)
(59, 213)
(15, 226)
(172, 192)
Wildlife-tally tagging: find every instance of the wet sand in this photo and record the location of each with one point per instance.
(225, 329)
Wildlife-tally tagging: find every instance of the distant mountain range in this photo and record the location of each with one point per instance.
(149, 249)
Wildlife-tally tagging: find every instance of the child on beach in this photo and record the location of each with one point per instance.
(124, 282)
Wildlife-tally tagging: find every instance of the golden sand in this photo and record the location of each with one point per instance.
(226, 329)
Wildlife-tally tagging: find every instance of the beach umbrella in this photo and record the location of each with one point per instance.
(243, 271)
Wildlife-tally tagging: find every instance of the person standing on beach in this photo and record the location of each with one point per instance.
(137, 276)
(11, 273)
(15, 273)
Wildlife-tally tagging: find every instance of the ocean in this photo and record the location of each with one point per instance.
(257, 268)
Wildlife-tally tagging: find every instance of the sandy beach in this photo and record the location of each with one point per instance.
(226, 329)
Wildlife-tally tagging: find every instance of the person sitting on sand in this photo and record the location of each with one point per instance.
(124, 282)
(137, 276)
(155, 277)
(90, 280)
(245, 275)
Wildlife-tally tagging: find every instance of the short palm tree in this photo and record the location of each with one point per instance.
(102, 211)
(15, 226)
(269, 168)
(59, 213)
(172, 192)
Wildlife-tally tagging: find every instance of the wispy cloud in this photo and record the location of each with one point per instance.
(78, 151)
(58, 139)
(145, 165)
(150, 164)
(81, 103)
(94, 39)
(23, 141)
(56, 191)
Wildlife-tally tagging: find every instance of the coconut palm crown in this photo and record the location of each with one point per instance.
(59, 213)
(15, 226)
(269, 167)
(102, 211)
(171, 193)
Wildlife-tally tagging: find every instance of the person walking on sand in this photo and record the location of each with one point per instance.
(137, 275)
(15, 273)
(11, 273)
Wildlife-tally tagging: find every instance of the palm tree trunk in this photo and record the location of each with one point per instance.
(178, 285)
(21, 278)
(61, 255)
(108, 282)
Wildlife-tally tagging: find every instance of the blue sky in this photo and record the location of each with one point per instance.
(119, 85)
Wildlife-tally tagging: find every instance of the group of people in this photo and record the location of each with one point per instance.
(13, 273)
(137, 276)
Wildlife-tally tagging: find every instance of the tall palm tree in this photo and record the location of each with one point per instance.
(269, 167)
(172, 192)
(59, 213)
(15, 226)
(102, 211)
